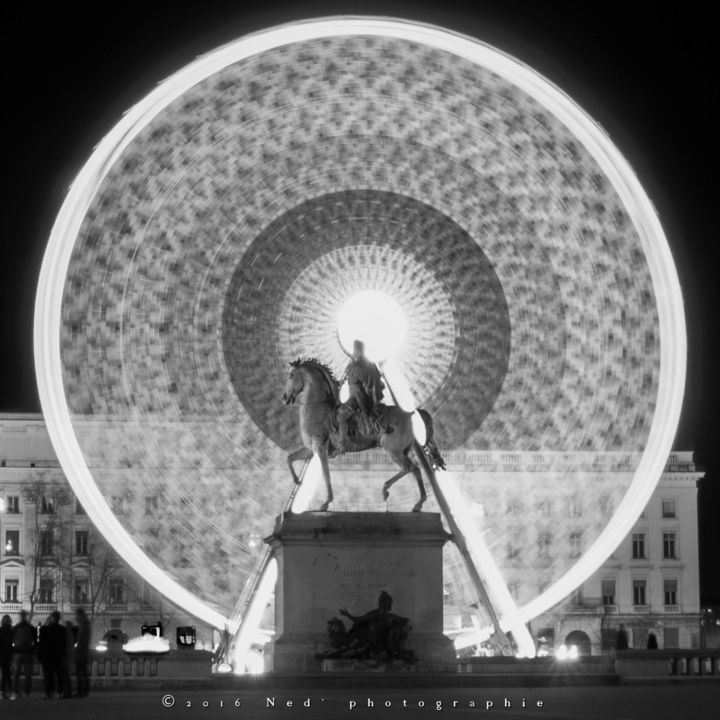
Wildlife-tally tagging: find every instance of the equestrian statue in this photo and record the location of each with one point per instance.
(329, 428)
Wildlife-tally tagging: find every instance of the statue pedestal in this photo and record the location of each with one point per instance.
(327, 561)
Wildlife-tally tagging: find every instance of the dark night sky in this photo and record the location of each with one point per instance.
(646, 73)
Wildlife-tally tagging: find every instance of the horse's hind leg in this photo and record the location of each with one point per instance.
(405, 467)
(421, 486)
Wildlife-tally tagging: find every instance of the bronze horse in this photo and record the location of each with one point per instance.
(313, 387)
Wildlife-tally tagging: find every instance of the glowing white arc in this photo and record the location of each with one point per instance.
(48, 320)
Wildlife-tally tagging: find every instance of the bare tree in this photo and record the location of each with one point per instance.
(96, 569)
(45, 537)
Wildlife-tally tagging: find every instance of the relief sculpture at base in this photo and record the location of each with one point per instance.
(378, 637)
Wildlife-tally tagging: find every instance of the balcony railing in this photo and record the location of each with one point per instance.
(74, 607)
(11, 607)
(116, 608)
(600, 609)
(584, 609)
(68, 609)
(46, 607)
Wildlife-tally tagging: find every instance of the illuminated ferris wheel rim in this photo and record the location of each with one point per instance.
(66, 228)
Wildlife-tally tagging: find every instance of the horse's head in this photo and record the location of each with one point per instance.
(314, 379)
(294, 384)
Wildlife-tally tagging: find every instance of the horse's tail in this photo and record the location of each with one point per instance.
(430, 447)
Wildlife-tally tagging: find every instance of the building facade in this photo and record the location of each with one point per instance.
(53, 558)
(650, 583)
(538, 512)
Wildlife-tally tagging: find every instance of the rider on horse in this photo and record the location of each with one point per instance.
(366, 389)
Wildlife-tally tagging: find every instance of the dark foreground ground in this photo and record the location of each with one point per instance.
(696, 701)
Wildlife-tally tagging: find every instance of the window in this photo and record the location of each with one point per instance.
(12, 542)
(79, 509)
(638, 547)
(639, 592)
(669, 545)
(577, 597)
(607, 588)
(574, 507)
(575, 544)
(45, 543)
(670, 592)
(11, 590)
(81, 542)
(151, 504)
(47, 505)
(81, 592)
(47, 591)
(668, 509)
(543, 508)
(13, 505)
(118, 504)
(514, 589)
(513, 548)
(544, 542)
(116, 591)
(607, 507)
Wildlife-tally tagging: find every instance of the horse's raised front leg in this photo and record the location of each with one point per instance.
(322, 453)
(302, 454)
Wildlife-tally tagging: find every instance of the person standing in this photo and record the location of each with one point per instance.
(621, 639)
(68, 660)
(6, 653)
(41, 650)
(52, 650)
(24, 644)
(82, 652)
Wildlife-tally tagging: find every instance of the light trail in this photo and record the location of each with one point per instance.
(478, 558)
(65, 231)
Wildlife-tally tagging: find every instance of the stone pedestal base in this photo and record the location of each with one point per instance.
(328, 561)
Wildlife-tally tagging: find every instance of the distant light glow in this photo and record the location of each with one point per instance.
(567, 653)
(375, 318)
(147, 644)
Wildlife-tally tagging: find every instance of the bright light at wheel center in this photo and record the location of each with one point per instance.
(375, 318)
